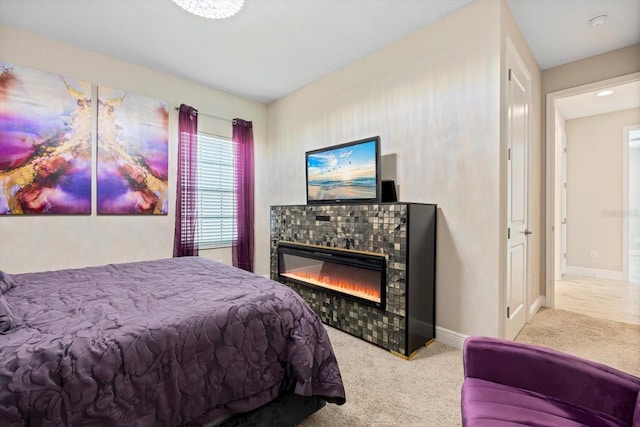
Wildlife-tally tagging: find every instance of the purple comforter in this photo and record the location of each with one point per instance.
(170, 342)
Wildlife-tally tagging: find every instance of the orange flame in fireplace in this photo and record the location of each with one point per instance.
(344, 286)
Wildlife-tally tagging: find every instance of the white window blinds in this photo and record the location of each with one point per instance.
(216, 213)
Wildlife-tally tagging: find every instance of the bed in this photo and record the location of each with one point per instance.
(181, 341)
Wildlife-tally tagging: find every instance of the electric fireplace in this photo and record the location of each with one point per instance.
(399, 236)
(360, 276)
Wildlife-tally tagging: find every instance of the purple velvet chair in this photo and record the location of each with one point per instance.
(508, 383)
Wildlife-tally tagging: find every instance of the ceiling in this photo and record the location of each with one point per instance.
(623, 96)
(273, 47)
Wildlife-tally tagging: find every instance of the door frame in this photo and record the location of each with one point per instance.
(551, 223)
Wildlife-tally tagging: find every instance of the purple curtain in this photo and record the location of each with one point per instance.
(184, 237)
(242, 253)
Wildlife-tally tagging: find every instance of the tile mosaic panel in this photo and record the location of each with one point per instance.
(378, 228)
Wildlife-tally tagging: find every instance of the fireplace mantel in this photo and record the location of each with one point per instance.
(404, 233)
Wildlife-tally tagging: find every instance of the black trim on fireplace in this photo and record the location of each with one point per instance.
(365, 260)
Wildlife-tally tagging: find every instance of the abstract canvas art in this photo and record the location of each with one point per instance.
(45, 143)
(133, 143)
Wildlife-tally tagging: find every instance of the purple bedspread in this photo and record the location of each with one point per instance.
(171, 342)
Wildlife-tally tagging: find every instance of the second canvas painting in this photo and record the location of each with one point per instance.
(133, 143)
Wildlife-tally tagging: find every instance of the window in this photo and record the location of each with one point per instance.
(216, 225)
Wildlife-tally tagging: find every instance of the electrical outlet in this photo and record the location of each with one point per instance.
(594, 253)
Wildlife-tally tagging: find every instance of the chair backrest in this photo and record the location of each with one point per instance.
(555, 374)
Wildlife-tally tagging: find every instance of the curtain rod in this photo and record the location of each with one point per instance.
(210, 115)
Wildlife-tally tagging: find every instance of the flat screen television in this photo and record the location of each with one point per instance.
(344, 173)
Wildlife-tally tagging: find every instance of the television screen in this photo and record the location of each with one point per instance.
(345, 173)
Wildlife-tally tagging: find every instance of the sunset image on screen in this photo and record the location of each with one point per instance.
(343, 173)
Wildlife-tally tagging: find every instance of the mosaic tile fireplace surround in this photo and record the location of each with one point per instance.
(404, 233)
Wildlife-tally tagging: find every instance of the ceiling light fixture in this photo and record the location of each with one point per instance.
(598, 20)
(211, 9)
(605, 92)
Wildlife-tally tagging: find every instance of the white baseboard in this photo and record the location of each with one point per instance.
(450, 338)
(456, 339)
(533, 308)
(594, 272)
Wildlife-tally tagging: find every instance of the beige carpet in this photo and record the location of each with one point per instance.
(615, 344)
(385, 390)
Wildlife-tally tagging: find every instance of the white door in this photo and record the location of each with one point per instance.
(631, 203)
(518, 135)
(563, 208)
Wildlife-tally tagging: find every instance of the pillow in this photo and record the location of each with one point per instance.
(6, 315)
(6, 282)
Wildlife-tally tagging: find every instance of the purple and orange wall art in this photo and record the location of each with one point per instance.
(133, 145)
(45, 143)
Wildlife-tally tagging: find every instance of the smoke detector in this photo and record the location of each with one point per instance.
(598, 20)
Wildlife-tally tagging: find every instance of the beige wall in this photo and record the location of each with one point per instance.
(36, 243)
(434, 98)
(596, 68)
(594, 189)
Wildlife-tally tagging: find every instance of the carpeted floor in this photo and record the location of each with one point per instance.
(385, 390)
(615, 344)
